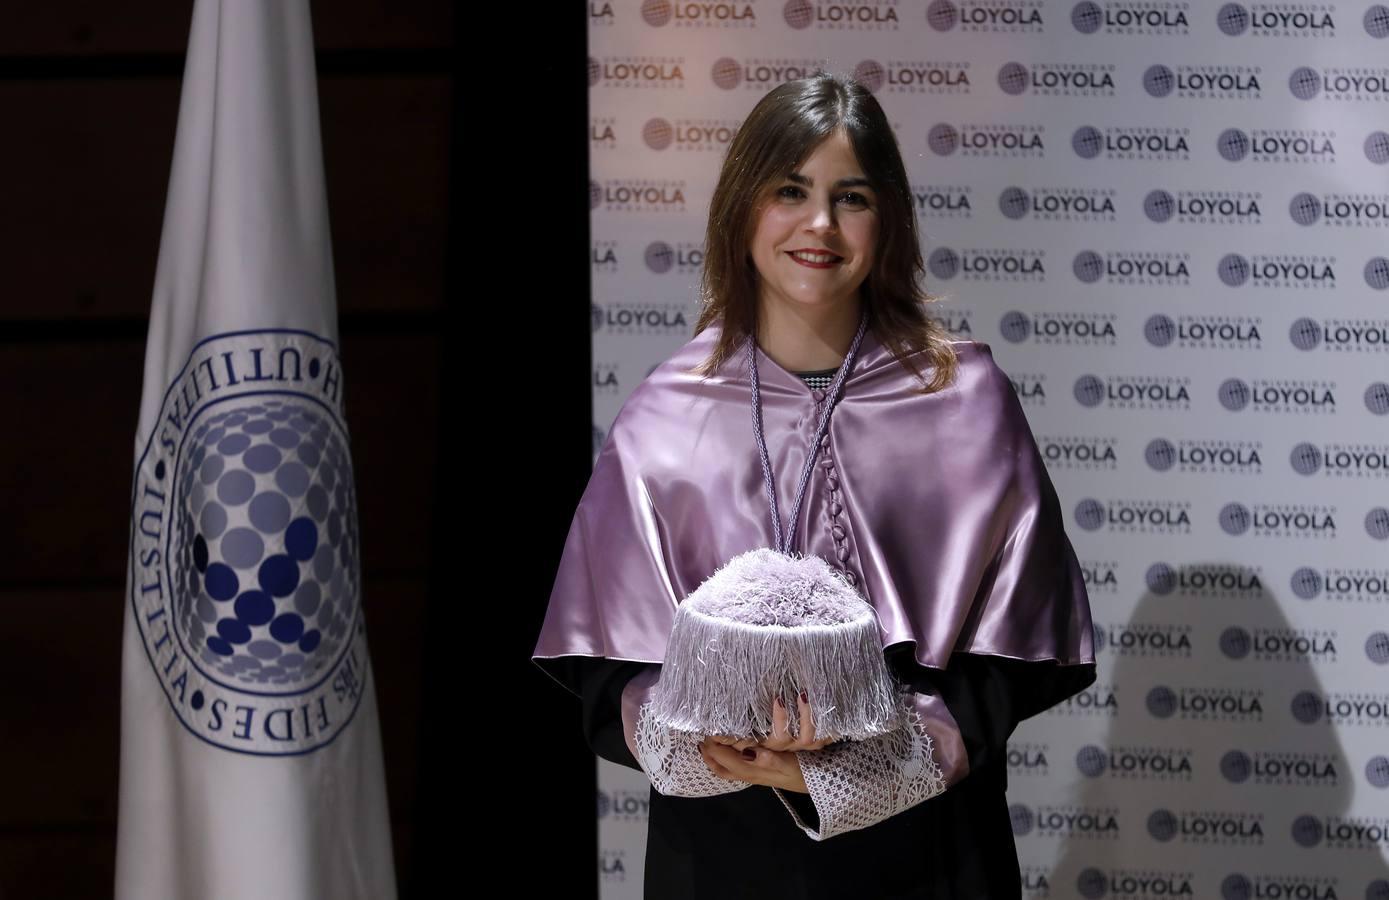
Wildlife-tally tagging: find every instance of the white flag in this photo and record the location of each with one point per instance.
(250, 752)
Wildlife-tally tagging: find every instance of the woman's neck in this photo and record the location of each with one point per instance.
(807, 342)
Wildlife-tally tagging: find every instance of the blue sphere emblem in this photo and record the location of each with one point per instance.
(1162, 825)
(1233, 144)
(265, 546)
(1236, 887)
(1021, 818)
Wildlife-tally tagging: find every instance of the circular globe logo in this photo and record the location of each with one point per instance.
(1307, 831)
(1088, 390)
(1233, 270)
(1090, 761)
(1306, 707)
(1305, 458)
(1305, 208)
(1160, 330)
(1305, 333)
(1233, 145)
(1012, 78)
(942, 15)
(1377, 272)
(1021, 818)
(1304, 82)
(1086, 17)
(1306, 583)
(245, 520)
(1235, 642)
(266, 531)
(1160, 578)
(1014, 202)
(1377, 648)
(1160, 454)
(1090, 514)
(1087, 142)
(1091, 884)
(944, 263)
(1015, 326)
(727, 74)
(1377, 398)
(1377, 519)
(1377, 147)
(659, 256)
(1161, 702)
(871, 74)
(1376, 21)
(1159, 205)
(1162, 825)
(943, 139)
(1159, 80)
(656, 12)
(1234, 394)
(1233, 19)
(1234, 518)
(1236, 887)
(798, 13)
(657, 133)
(1088, 266)
(1236, 766)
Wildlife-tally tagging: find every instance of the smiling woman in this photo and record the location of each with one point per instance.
(813, 248)
(911, 478)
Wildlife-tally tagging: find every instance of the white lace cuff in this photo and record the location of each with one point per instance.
(855, 784)
(671, 759)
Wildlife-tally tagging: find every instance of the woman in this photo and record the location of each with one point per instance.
(926, 492)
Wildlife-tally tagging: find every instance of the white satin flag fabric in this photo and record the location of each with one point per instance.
(250, 751)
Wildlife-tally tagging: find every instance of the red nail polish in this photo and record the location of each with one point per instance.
(749, 754)
(804, 698)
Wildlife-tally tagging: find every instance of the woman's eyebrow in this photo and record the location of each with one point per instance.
(855, 181)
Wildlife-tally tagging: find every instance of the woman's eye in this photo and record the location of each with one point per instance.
(852, 199)
(790, 191)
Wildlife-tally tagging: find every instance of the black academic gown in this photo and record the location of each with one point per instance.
(955, 846)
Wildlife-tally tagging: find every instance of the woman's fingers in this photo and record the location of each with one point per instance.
(730, 741)
(710, 759)
(807, 735)
(781, 738)
(780, 721)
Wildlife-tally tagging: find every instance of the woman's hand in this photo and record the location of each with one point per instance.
(755, 765)
(781, 740)
(771, 762)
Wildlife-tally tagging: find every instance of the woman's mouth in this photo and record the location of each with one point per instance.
(815, 259)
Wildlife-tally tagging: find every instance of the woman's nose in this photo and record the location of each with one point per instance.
(821, 219)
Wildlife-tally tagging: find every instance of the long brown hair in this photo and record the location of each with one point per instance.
(783, 129)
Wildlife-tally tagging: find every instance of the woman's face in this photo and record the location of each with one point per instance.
(815, 239)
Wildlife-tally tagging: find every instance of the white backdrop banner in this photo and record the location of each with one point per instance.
(1170, 221)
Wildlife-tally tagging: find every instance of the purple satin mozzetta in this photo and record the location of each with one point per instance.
(939, 505)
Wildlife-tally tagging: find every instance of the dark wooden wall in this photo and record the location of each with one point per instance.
(457, 190)
(89, 100)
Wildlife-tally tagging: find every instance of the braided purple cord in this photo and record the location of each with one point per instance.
(831, 397)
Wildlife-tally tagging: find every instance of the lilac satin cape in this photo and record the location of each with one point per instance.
(939, 505)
